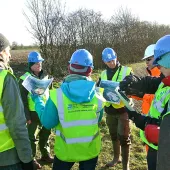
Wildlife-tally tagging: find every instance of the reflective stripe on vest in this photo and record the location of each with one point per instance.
(1, 109)
(3, 127)
(76, 140)
(122, 74)
(77, 122)
(6, 141)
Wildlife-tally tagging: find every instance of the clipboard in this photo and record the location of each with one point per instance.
(127, 102)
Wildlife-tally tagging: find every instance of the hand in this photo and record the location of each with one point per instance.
(129, 83)
(34, 96)
(139, 120)
(132, 114)
(27, 166)
(29, 122)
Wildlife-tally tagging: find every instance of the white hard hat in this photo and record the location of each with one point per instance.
(149, 51)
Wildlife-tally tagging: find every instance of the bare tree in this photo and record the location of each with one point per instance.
(45, 19)
(59, 34)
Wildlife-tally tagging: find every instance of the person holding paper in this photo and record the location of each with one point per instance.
(152, 70)
(15, 148)
(156, 124)
(33, 124)
(116, 118)
(74, 110)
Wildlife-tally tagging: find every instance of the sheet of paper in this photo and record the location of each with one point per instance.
(34, 85)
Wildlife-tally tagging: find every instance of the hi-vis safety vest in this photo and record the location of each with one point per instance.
(162, 96)
(118, 77)
(6, 141)
(31, 104)
(77, 134)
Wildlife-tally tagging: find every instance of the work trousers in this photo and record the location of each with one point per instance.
(11, 167)
(151, 158)
(119, 129)
(39, 133)
(83, 165)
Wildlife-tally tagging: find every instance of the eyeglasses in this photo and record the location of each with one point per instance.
(148, 59)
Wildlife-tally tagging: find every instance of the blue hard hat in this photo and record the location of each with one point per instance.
(82, 57)
(34, 57)
(108, 54)
(162, 47)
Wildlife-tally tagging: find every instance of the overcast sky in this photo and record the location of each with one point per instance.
(13, 22)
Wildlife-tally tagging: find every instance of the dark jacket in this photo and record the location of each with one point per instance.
(24, 94)
(15, 121)
(140, 86)
(163, 162)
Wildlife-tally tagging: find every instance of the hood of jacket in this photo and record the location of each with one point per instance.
(78, 88)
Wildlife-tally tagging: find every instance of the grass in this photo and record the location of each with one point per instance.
(137, 154)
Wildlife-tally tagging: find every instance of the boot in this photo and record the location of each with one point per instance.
(36, 165)
(116, 154)
(125, 157)
(47, 159)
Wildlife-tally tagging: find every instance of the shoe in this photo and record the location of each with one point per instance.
(36, 164)
(47, 159)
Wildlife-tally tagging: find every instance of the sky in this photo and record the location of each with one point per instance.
(13, 23)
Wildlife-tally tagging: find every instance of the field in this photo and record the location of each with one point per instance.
(137, 155)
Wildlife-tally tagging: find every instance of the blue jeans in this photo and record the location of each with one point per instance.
(83, 165)
(152, 158)
(11, 167)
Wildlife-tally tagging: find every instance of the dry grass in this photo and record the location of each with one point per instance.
(138, 155)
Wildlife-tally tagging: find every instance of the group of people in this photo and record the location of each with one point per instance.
(76, 108)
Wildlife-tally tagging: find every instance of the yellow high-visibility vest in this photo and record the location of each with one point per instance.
(162, 96)
(6, 141)
(77, 134)
(118, 77)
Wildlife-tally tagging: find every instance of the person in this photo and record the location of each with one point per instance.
(152, 70)
(116, 116)
(159, 111)
(15, 148)
(74, 109)
(33, 124)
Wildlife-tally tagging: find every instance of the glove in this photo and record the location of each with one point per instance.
(130, 85)
(27, 166)
(139, 120)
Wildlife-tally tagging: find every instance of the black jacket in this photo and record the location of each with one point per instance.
(140, 86)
